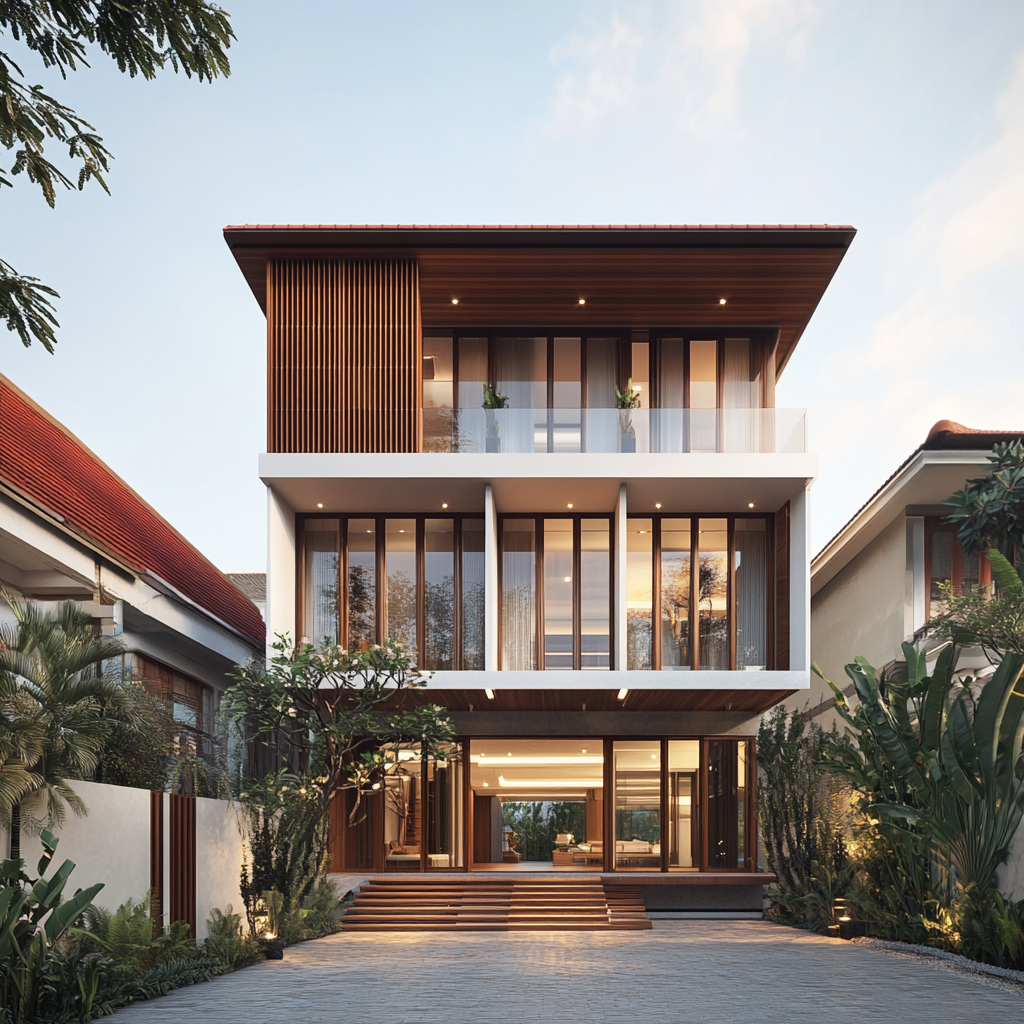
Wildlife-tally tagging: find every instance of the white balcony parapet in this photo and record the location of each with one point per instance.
(604, 431)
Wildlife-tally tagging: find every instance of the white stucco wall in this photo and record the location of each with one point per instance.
(859, 612)
(109, 845)
(218, 859)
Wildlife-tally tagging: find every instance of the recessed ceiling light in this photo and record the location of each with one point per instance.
(319, 504)
(510, 753)
(401, 531)
(455, 302)
(487, 785)
(721, 302)
(490, 696)
(654, 757)
(584, 750)
(568, 579)
(750, 504)
(583, 302)
(569, 505)
(444, 504)
(623, 692)
(657, 504)
(641, 531)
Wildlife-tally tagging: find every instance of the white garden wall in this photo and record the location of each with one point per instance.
(218, 860)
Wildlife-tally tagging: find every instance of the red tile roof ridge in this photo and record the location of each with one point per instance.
(539, 227)
(39, 471)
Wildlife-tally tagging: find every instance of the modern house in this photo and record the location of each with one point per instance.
(72, 529)
(549, 461)
(879, 580)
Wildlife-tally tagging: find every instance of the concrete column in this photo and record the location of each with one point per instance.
(800, 582)
(280, 569)
(491, 597)
(620, 567)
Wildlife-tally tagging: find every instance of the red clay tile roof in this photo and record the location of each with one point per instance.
(45, 463)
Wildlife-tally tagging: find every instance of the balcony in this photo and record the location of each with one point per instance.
(605, 431)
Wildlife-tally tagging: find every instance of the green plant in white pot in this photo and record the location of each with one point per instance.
(626, 401)
(493, 400)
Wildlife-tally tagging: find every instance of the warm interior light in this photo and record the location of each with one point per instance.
(455, 302)
(657, 504)
(654, 757)
(444, 504)
(401, 531)
(750, 504)
(583, 302)
(568, 579)
(569, 505)
(319, 504)
(721, 302)
(550, 783)
(623, 692)
(537, 759)
(487, 785)
(638, 387)
(584, 750)
(490, 693)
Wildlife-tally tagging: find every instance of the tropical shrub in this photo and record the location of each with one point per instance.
(226, 942)
(804, 819)
(129, 937)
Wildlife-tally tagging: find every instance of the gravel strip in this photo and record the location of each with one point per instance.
(998, 977)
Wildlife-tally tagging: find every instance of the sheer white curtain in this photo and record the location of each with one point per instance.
(603, 427)
(522, 379)
(751, 594)
(742, 397)
(519, 588)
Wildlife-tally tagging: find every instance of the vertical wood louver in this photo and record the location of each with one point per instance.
(344, 355)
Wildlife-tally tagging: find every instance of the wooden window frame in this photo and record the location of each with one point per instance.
(932, 526)
(577, 596)
(380, 573)
(694, 611)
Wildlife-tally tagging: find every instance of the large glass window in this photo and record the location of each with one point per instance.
(556, 571)
(518, 594)
(683, 790)
(322, 591)
(637, 779)
(697, 593)
(949, 564)
(396, 578)
(727, 812)
(438, 394)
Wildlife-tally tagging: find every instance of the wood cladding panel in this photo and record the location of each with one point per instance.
(782, 547)
(344, 355)
(753, 701)
(156, 857)
(182, 903)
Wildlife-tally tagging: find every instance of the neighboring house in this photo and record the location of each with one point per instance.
(608, 598)
(71, 528)
(878, 580)
(254, 586)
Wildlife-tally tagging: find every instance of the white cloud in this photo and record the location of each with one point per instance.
(680, 68)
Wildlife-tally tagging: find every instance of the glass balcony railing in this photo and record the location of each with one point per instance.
(661, 431)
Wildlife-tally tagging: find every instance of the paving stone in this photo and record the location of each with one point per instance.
(681, 972)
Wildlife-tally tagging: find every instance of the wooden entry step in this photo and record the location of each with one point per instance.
(505, 905)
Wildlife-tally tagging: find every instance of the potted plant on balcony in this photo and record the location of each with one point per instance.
(625, 402)
(493, 400)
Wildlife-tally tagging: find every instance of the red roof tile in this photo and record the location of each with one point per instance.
(46, 463)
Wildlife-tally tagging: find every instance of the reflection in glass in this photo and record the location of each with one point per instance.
(712, 598)
(669, 434)
(684, 828)
(323, 580)
(438, 594)
(472, 645)
(438, 396)
(472, 372)
(522, 377)
(403, 806)
(751, 594)
(362, 584)
(518, 605)
(567, 396)
(595, 594)
(558, 587)
(741, 395)
(444, 810)
(639, 594)
(675, 593)
(400, 563)
(727, 805)
(637, 780)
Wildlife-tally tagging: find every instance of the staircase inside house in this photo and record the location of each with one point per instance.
(497, 905)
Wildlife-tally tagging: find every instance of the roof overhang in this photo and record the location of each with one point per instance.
(927, 478)
(772, 276)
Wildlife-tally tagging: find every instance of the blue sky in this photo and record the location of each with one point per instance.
(905, 119)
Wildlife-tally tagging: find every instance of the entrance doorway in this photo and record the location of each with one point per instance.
(538, 804)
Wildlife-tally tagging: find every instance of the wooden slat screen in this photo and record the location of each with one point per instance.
(344, 355)
(182, 906)
(156, 857)
(782, 588)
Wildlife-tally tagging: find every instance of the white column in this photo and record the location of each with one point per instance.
(620, 563)
(914, 604)
(490, 581)
(280, 569)
(800, 582)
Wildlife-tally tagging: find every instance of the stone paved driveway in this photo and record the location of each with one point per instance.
(706, 972)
